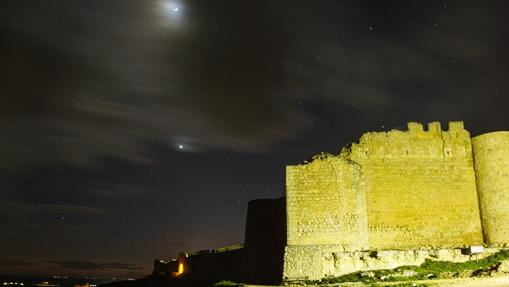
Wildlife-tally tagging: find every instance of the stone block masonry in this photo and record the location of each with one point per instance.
(325, 203)
(421, 187)
(491, 152)
(313, 262)
(396, 191)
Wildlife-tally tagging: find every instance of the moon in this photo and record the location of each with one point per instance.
(172, 8)
(172, 13)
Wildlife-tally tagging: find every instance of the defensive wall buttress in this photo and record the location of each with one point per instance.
(394, 198)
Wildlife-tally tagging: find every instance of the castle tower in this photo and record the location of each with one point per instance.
(326, 213)
(420, 187)
(491, 157)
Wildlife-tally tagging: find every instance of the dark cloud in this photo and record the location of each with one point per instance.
(86, 265)
(233, 75)
(403, 61)
(92, 96)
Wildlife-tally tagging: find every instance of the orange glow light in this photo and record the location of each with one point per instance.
(181, 269)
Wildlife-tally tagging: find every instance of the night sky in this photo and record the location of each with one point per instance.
(132, 130)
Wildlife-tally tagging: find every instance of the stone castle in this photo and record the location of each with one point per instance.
(394, 198)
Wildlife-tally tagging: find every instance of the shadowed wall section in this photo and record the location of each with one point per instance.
(209, 266)
(259, 260)
(265, 240)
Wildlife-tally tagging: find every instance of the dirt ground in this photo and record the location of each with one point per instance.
(474, 282)
(499, 281)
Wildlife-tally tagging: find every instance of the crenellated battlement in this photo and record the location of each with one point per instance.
(415, 142)
(434, 127)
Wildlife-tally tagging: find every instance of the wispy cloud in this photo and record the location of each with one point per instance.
(20, 263)
(19, 207)
(224, 84)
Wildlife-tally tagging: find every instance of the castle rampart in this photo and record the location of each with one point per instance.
(394, 198)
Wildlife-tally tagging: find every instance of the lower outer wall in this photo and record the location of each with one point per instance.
(214, 267)
(261, 259)
(314, 262)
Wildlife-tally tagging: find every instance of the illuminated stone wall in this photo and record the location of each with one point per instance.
(325, 203)
(491, 152)
(396, 190)
(418, 187)
(421, 187)
(392, 197)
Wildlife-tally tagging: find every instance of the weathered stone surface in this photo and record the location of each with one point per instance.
(325, 203)
(404, 195)
(503, 267)
(491, 153)
(421, 187)
(318, 261)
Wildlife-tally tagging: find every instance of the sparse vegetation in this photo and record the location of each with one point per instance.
(227, 283)
(428, 270)
(409, 284)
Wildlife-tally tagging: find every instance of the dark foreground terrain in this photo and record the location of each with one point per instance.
(52, 281)
(431, 273)
(161, 281)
